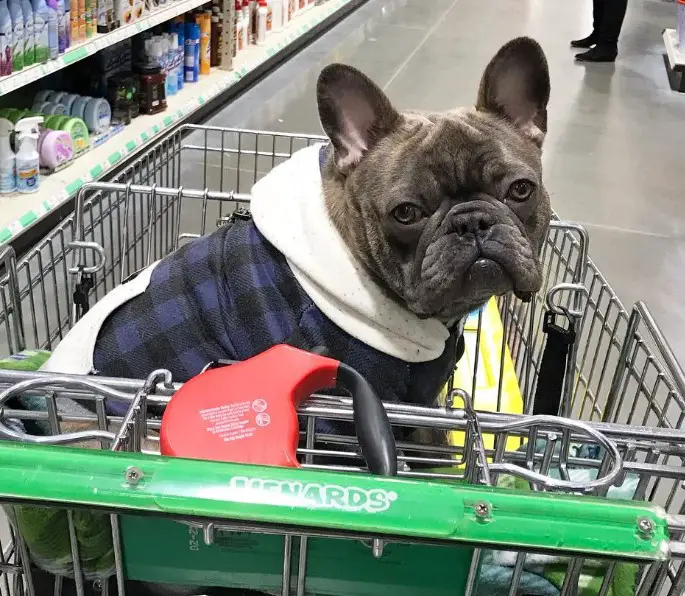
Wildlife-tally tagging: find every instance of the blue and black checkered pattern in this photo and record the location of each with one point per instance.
(232, 295)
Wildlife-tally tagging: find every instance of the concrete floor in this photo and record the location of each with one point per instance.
(612, 156)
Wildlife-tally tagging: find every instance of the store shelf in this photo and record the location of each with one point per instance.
(96, 43)
(18, 212)
(676, 55)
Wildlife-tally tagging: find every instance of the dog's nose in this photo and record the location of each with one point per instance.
(472, 222)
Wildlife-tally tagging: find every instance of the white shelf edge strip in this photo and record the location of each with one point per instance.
(58, 188)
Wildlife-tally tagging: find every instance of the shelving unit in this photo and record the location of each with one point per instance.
(19, 212)
(96, 43)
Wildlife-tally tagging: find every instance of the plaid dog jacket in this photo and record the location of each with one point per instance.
(232, 295)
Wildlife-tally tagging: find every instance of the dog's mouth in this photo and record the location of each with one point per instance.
(459, 276)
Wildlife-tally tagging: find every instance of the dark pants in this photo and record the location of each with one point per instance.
(607, 20)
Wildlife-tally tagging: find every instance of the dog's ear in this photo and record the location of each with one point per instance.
(354, 112)
(515, 85)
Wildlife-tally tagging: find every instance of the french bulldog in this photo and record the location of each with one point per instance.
(409, 222)
(445, 209)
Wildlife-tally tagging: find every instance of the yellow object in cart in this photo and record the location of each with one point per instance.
(488, 372)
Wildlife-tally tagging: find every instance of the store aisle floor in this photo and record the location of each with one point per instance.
(613, 155)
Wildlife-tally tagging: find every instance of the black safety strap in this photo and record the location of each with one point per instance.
(83, 287)
(548, 394)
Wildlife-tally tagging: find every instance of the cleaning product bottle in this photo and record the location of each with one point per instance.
(275, 16)
(239, 30)
(8, 171)
(41, 37)
(18, 34)
(203, 20)
(192, 52)
(254, 7)
(245, 31)
(6, 39)
(28, 167)
(247, 20)
(53, 34)
(29, 33)
(262, 14)
(217, 30)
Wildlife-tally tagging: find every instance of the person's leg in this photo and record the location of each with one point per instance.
(597, 17)
(612, 20)
(614, 11)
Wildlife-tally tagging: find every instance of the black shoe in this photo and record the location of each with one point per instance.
(586, 42)
(598, 54)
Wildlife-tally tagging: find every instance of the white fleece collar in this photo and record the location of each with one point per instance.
(289, 210)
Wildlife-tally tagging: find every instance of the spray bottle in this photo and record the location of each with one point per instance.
(28, 167)
(8, 171)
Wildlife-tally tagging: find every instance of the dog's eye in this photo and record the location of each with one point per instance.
(521, 190)
(407, 214)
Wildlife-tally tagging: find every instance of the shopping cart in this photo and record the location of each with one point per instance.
(519, 505)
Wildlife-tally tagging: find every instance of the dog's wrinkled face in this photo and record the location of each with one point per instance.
(445, 209)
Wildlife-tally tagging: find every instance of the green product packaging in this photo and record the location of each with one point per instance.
(16, 114)
(55, 122)
(78, 131)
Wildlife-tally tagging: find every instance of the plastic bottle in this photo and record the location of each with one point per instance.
(53, 35)
(6, 39)
(41, 37)
(205, 24)
(8, 170)
(239, 33)
(191, 65)
(28, 167)
(29, 33)
(18, 35)
(275, 22)
(73, 21)
(254, 7)
(91, 18)
(246, 32)
(247, 21)
(61, 27)
(216, 40)
(81, 16)
(262, 15)
(180, 78)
